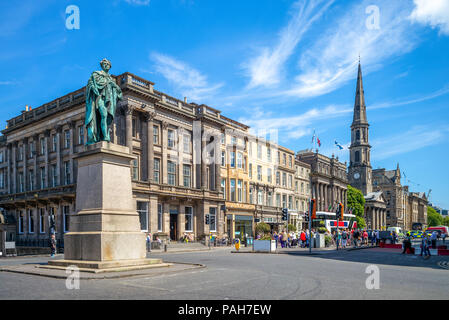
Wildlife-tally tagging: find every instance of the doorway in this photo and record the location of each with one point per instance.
(173, 227)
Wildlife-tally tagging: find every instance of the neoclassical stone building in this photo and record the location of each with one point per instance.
(329, 179)
(176, 176)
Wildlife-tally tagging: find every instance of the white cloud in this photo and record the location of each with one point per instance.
(416, 138)
(187, 80)
(432, 12)
(332, 60)
(265, 69)
(294, 126)
(139, 2)
(8, 83)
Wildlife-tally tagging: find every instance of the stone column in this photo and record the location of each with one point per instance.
(150, 145)
(59, 147)
(218, 166)
(24, 159)
(153, 214)
(36, 175)
(181, 221)
(180, 153)
(14, 167)
(203, 163)
(72, 150)
(8, 173)
(47, 152)
(129, 127)
(166, 219)
(164, 138)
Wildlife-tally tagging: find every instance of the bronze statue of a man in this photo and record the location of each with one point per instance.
(102, 93)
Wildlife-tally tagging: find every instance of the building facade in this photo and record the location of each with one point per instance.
(329, 179)
(302, 192)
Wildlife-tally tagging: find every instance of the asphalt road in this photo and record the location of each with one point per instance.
(252, 276)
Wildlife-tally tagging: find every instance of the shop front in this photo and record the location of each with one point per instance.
(240, 221)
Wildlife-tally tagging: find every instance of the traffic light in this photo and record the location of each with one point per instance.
(313, 208)
(284, 214)
(340, 211)
(207, 219)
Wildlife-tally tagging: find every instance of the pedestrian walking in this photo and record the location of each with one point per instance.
(373, 237)
(344, 239)
(365, 237)
(303, 239)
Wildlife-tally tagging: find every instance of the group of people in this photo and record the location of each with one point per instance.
(356, 237)
(293, 239)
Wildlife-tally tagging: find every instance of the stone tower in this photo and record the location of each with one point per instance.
(360, 171)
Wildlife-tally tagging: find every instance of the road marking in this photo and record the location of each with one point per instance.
(444, 264)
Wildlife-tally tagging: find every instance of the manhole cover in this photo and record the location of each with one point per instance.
(444, 264)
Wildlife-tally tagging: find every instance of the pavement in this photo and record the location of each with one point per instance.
(224, 275)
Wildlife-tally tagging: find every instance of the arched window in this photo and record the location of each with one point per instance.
(357, 156)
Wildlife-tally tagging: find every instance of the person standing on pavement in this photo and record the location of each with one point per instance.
(53, 245)
(365, 237)
(407, 243)
(344, 239)
(303, 239)
(425, 245)
(433, 238)
(373, 237)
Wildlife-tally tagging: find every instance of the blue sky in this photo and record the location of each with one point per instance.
(272, 64)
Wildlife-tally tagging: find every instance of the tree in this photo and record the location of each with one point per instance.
(291, 227)
(262, 228)
(446, 221)
(356, 202)
(434, 218)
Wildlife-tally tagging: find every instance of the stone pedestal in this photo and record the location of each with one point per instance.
(105, 231)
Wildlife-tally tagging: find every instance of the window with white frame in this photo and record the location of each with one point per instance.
(223, 188)
(186, 172)
(186, 142)
(270, 198)
(278, 200)
(171, 138)
(244, 192)
(142, 210)
(1, 156)
(250, 171)
(239, 160)
(269, 154)
(213, 219)
(156, 134)
(65, 218)
(284, 201)
(54, 176)
(81, 135)
(290, 202)
(67, 139)
(189, 219)
(234, 141)
(259, 173)
(31, 149)
(278, 178)
(259, 151)
(223, 138)
(232, 189)
(260, 197)
(43, 177)
(41, 220)
(223, 158)
(67, 172)
(290, 180)
(156, 170)
(239, 190)
(269, 175)
(135, 169)
(21, 221)
(30, 221)
(171, 173)
(251, 197)
(232, 154)
(284, 179)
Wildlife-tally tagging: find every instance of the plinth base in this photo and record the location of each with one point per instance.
(106, 266)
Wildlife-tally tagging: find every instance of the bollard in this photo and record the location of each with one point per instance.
(165, 247)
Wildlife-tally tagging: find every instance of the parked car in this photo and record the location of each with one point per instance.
(416, 234)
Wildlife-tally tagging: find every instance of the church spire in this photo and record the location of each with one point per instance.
(359, 105)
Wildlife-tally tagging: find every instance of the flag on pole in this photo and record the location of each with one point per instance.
(339, 146)
(319, 142)
(313, 138)
(330, 208)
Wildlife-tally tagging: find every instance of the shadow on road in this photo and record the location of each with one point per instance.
(380, 256)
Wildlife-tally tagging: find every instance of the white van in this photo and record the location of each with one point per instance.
(398, 230)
